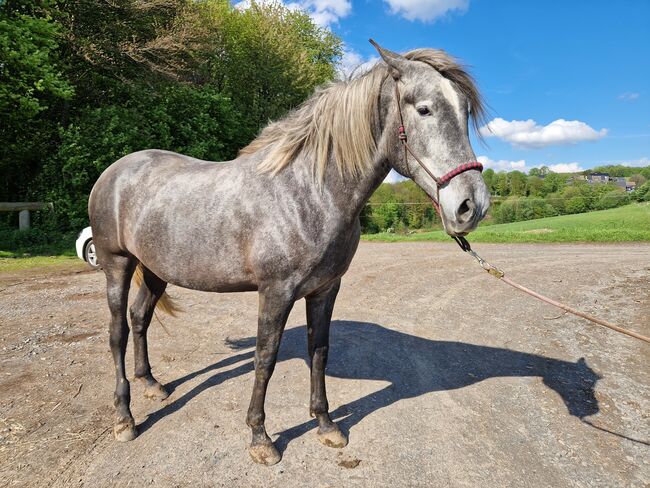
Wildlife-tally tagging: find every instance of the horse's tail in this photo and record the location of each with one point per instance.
(165, 302)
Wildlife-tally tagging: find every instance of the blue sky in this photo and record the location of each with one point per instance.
(567, 81)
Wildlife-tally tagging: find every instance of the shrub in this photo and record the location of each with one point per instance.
(577, 204)
(612, 199)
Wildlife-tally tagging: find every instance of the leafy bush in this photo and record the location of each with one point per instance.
(612, 199)
(577, 204)
(36, 241)
(523, 208)
(642, 193)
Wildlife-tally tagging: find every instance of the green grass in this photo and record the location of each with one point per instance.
(630, 223)
(10, 263)
(35, 248)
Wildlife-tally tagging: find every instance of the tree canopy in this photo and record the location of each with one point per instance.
(82, 83)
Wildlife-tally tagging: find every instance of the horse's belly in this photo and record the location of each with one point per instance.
(200, 268)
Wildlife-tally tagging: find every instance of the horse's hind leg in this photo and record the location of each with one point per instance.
(319, 316)
(141, 313)
(274, 308)
(118, 270)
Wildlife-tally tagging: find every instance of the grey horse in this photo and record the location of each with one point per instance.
(282, 218)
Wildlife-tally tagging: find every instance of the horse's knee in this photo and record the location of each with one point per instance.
(122, 395)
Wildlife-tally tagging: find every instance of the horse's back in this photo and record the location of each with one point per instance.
(155, 201)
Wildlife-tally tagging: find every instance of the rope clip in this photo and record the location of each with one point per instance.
(491, 269)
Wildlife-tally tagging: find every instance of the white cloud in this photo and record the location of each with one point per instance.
(628, 96)
(323, 12)
(353, 64)
(502, 164)
(507, 165)
(394, 177)
(565, 167)
(528, 134)
(426, 10)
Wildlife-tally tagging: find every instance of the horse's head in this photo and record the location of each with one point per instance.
(435, 97)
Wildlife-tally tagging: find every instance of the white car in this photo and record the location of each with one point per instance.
(86, 248)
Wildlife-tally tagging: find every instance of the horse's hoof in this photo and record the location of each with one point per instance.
(265, 454)
(333, 438)
(124, 431)
(155, 392)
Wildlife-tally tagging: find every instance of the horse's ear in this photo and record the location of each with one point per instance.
(396, 63)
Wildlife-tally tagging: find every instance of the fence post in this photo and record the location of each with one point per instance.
(23, 220)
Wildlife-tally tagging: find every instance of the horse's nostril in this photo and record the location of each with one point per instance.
(465, 211)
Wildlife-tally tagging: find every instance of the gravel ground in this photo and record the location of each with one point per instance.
(441, 375)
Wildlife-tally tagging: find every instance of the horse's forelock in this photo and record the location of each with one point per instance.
(455, 72)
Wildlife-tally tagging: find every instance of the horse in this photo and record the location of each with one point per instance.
(282, 218)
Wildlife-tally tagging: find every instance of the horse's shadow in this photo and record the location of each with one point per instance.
(412, 365)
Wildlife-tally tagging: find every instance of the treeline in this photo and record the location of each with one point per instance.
(516, 196)
(82, 83)
(543, 193)
(578, 197)
(541, 182)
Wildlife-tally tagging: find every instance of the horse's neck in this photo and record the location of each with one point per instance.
(349, 194)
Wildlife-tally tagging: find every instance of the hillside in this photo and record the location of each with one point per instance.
(623, 224)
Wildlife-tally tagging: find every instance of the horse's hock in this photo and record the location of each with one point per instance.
(23, 209)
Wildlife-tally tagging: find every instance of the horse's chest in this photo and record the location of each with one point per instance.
(331, 262)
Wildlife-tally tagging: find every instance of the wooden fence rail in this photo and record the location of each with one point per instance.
(24, 208)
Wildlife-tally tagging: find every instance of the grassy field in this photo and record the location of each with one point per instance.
(17, 263)
(624, 224)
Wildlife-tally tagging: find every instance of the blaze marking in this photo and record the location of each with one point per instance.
(450, 94)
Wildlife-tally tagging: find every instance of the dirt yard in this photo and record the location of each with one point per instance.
(441, 375)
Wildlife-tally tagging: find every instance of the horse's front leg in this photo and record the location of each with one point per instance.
(319, 316)
(274, 308)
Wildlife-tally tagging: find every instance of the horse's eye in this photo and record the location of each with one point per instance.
(424, 110)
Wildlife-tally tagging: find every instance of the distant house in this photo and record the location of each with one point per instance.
(597, 178)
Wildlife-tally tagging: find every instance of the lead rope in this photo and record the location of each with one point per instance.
(500, 274)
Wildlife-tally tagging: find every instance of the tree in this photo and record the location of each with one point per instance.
(489, 176)
(534, 186)
(502, 184)
(553, 182)
(31, 87)
(518, 182)
(199, 78)
(638, 178)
